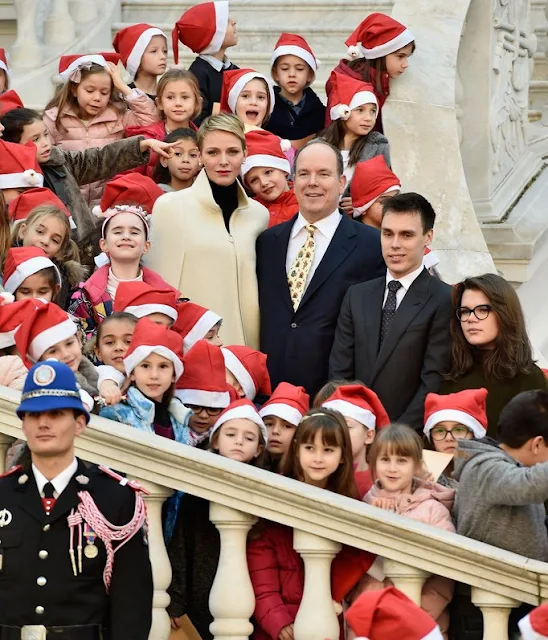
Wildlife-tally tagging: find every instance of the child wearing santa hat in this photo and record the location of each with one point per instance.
(4, 72)
(130, 189)
(29, 273)
(534, 626)
(19, 170)
(208, 30)
(298, 113)
(8, 101)
(197, 323)
(143, 300)
(249, 95)
(179, 171)
(12, 368)
(246, 371)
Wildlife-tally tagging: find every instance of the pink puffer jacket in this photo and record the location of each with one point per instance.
(12, 372)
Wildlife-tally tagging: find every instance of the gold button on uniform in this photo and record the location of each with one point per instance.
(41, 582)
(43, 554)
(39, 610)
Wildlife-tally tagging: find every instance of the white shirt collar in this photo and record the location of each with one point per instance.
(326, 226)
(407, 280)
(217, 64)
(60, 481)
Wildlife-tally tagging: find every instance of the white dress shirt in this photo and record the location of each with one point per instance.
(217, 64)
(60, 481)
(405, 282)
(325, 230)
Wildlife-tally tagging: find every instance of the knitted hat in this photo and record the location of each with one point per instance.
(290, 44)
(249, 368)
(288, 402)
(360, 403)
(234, 82)
(19, 208)
(47, 325)
(244, 409)
(130, 188)
(131, 43)
(142, 299)
(194, 322)
(265, 149)
(150, 337)
(22, 262)
(18, 166)
(388, 613)
(535, 625)
(201, 28)
(204, 381)
(377, 36)
(372, 178)
(11, 317)
(4, 66)
(467, 407)
(9, 100)
(346, 94)
(69, 65)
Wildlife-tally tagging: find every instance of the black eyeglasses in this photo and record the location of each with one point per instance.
(481, 311)
(457, 433)
(211, 411)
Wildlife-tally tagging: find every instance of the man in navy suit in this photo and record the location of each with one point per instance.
(298, 323)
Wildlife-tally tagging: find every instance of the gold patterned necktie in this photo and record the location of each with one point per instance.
(299, 270)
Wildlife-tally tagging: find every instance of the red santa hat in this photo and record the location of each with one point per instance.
(201, 28)
(142, 299)
(234, 82)
(47, 325)
(388, 613)
(12, 315)
(130, 188)
(19, 208)
(467, 407)
(18, 166)
(346, 94)
(378, 36)
(290, 44)
(248, 366)
(194, 322)
(360, 403)
(288, 402)
(372, 179)
(265, 149)
(70, 65)
(131, 43)
(535, 625)
(150, 337)
(10, 100)
(242, 409)
(204, 381)
(22, 262)
(4, 67)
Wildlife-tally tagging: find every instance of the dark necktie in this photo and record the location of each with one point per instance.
(48, 500)
(389, 309)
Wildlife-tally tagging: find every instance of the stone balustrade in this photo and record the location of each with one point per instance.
(322, 521)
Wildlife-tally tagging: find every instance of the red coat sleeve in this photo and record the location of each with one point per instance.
(348, 567)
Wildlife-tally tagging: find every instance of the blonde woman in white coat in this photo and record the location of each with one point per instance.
(203, 238)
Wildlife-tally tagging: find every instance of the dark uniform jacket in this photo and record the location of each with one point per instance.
(211, 83)
(284, 122)
(37, 582)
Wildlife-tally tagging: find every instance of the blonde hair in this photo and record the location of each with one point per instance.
(173, 75)
(399, 440)
(227, 122)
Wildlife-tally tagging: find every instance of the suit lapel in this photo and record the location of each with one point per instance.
(372, 316)
(30, 501)
(69, 497)
(283, 233)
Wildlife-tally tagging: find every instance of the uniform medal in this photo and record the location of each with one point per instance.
(90, 550)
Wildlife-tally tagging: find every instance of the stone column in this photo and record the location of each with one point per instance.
(231, 600)
(59, 26)
(83, 12)
(316, 617)
(496, 610)
(407, 579)
(26, 52)
(5, 444)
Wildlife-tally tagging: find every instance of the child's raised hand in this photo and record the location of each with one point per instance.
(110, 392)
(388, 504)
(176, 623)
(163, 149)
(117, 79)
(346, 205)
(286, 633)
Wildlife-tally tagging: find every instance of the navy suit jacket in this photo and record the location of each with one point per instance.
(298, 343)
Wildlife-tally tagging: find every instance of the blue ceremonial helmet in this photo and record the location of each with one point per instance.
(50, 385)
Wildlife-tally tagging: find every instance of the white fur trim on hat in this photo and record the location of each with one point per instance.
(21, 180)
(294, 50)
(201, 328)
(221, 25)
(201, 398)
(349, 410)
(49, 337)
(94, 58)
(361, 98)
(527, 631)
(359, 211)
(240, 84)
(435, 634)
(7, 338)
(4, 67)
(263, 160)
(244, 412)
(134, 58)
(241, 374)
(340, 112)
(29, 268)
(143, 310)
(455, 415)
(284, 411)
(391, 46)
(430, 259)
(143, 351)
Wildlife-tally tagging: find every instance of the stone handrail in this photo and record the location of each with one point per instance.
(322, 521)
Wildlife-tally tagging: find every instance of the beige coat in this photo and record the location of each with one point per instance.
(191, 249)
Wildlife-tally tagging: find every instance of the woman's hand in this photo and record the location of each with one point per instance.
(163, 149)
(346, 205)
(117, 79)
(110, 392)
(286, 633)
(388, 504)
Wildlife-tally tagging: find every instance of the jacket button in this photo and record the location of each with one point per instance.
(293, 325)
(41, 582)
(45, 527)
(39, 610)
(43, 554)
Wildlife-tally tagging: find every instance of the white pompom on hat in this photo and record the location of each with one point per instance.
(377, 36)
(347, 93)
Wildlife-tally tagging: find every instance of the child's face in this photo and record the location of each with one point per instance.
(397, 62)
(125, 239)
(38, 133)
(267, 183)
(231, 37)
(154, 60)
(360, 437)
(373, 215)
(93, 94)
(445, 435)
(48, 233)
(202, 418)
(3, 81)
(184, 164)
(280, 434)
(67, 351)
(292, 74)
(395, 473)
(36, 286)
(161, 319)
(362, 120)
(178, 103)
(318, 460)
(114, 342)
(231, 379)
(238, 439)
(252, 104)
(153, 376)
(11, 194)
(212, 336)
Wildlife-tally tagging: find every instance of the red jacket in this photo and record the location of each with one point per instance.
(282, 209)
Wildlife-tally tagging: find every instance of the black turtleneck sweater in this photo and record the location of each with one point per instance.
(162, 420)
(226, 198)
